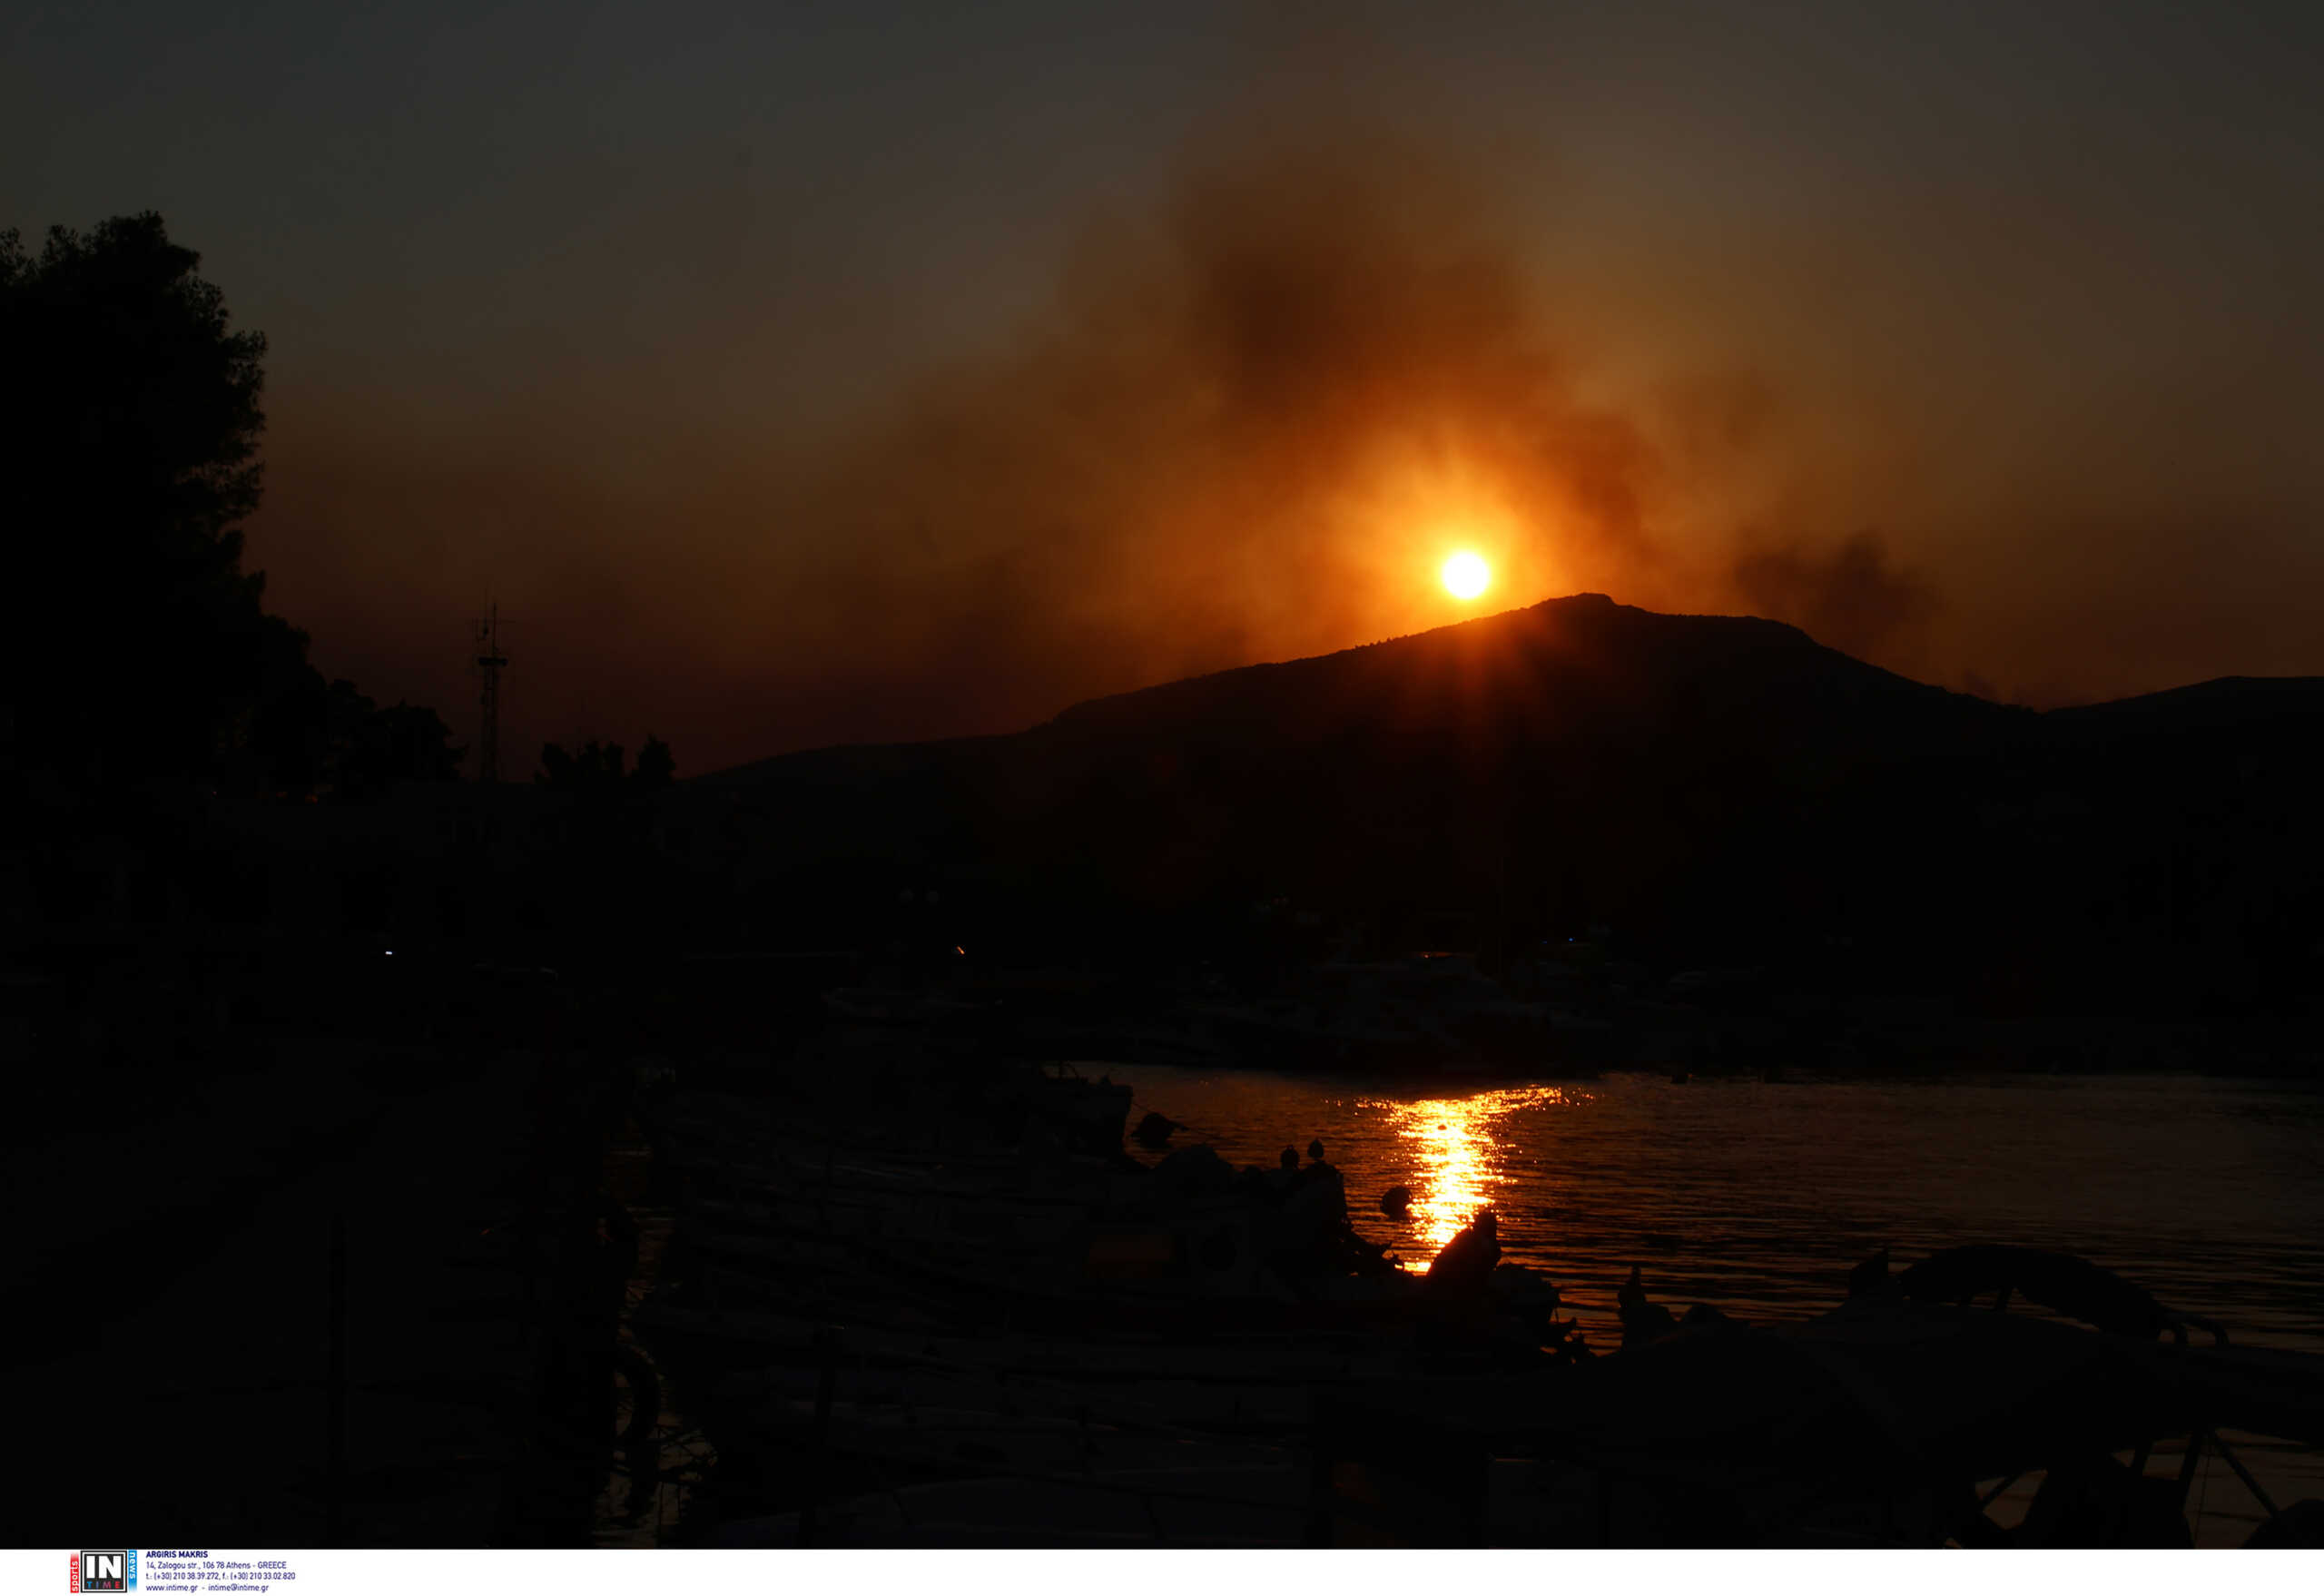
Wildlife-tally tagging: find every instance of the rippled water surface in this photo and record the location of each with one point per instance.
(1759, 1196)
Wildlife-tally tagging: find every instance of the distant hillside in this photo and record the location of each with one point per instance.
(2227, 702)
(1713, 787)
(1550, 670)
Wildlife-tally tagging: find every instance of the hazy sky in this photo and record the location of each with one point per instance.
(795, 374)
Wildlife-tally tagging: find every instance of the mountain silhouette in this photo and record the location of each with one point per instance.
(1715, 789)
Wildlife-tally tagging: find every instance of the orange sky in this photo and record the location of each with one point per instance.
(961, 395)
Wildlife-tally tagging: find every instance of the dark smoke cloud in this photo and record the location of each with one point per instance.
(1247, 426)
(1851, 596)
(1250, 431)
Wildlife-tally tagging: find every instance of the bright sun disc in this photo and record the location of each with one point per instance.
(1465, 574)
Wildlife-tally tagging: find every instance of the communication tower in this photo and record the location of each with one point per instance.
(490, 663)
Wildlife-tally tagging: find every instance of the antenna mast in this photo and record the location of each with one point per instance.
(490, 663)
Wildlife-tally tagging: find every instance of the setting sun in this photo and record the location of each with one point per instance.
(1466, 575)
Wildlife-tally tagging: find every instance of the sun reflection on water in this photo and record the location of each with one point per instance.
(1462, 1160)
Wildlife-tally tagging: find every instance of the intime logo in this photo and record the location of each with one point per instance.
(102, 1571)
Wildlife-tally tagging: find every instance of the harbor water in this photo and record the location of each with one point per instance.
(1759, 1196)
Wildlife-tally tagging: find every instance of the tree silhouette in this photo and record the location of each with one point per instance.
(331, 740)
(129, 430)
(598, 767)
(137, 644)
(593, 768)
(406, 743)
(655, 767)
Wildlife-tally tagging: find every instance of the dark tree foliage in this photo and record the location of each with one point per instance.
(597, 767)
(655, 767)
(601, 882)
(130, 424)
(335, 741)
(403, 743)
(138, 646)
